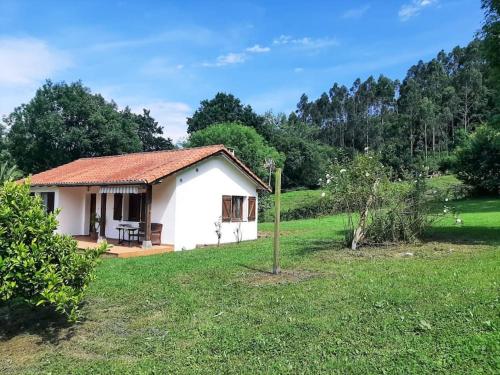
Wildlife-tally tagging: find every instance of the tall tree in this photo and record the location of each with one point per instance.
(491, 47)
(223, 108)
(150, 132)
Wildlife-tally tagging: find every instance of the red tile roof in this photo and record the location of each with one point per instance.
(138, 168)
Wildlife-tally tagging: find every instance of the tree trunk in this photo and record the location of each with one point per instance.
(359, 232)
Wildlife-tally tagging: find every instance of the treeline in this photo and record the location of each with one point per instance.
(421, 118)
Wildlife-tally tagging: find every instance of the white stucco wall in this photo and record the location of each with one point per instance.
(198, 203)
(71, 201)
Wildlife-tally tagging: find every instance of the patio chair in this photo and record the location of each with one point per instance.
(156, 233)
(156, 229)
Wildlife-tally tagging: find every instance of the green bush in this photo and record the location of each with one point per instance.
(378, 210)
(478, 159)
(36, 264)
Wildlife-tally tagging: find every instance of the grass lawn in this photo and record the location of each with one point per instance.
(299, 198)
(332, 310)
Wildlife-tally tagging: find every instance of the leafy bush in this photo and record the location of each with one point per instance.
(478, 159)
(8, 172)
(378, 211)
(36, 264)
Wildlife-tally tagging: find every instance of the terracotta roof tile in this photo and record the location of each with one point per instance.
(137, 168)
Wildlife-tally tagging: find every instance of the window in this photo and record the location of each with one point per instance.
(48, 201)
(117, 206)
(137, 207)
(235, 208)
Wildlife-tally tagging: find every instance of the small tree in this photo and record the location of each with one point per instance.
(36, 264)
(377, 211)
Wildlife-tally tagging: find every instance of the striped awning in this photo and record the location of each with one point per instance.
(120, 189)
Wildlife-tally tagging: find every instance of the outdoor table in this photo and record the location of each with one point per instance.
(121, 233)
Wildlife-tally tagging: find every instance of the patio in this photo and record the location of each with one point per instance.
(122, 251)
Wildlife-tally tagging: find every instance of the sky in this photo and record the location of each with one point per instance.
(168, 56)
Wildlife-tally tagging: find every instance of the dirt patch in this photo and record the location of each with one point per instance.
(20, 351)
(285, 277)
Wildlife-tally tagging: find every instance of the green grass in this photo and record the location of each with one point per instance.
(299, 198)
(218, 310)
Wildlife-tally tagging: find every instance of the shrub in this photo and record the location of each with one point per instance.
(36, 264)
(478, 159)
(378, 211)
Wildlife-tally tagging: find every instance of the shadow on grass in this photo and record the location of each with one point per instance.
(464, 235)
(18, 317)
(251, 268)
(320, 245)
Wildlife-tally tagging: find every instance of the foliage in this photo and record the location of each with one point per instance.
(247, 144)
(306, 159)
(71, 122)
(223, 108)
(329, 311)
(491, 48)
(416, 119)
(36, 264)
(478, 159)
(9, 172)
(150, 132)
(377, 211)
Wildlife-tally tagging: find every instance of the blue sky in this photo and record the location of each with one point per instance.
(168, 56)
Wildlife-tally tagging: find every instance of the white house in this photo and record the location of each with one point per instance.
(178, 193)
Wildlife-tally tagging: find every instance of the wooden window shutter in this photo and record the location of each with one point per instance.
(251, 208)
(226, 207)
(117, 207)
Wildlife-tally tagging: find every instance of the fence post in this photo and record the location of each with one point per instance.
(277, 208)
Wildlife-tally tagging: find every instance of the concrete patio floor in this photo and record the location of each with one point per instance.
(122, 250)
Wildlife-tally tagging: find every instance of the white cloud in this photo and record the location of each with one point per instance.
(354, 13)
(24, 64)
(305, 42)
(258, 49)
(414, 8)
(298, 70)
(228, 59)
(171, 116)
(26, 61)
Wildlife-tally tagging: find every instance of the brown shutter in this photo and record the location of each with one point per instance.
(251, 208)
(117, 206)
(226, 208)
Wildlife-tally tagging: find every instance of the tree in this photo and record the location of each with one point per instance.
(64, 122)
(36, 264)
(150, 132)
(491, 47)
(306, 159)
(478, 159)
(248, 145)
(223, 108)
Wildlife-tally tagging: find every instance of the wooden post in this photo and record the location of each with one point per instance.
(277, 210)
(146, 243)
(102, 222)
